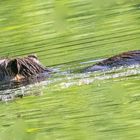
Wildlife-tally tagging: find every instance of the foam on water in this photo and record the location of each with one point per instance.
(65, 79)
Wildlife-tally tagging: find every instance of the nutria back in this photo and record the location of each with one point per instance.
(123, 59)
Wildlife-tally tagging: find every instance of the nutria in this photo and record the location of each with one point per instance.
(20, 68)
(123, 59)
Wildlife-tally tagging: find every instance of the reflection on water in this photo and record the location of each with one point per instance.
(75, 105)
(11, 89)
(69, 36)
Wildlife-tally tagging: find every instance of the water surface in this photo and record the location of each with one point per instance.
(68, 36)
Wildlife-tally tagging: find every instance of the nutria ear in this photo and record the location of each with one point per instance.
(33, 56)
(14, 66)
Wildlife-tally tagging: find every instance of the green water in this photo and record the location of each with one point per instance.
(69, 36)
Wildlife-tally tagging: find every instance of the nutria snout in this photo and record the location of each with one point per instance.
(19, 68)
(123, 59)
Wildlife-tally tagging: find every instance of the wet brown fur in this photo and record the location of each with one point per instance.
(20, 68)
(118, 59)
(123, 59)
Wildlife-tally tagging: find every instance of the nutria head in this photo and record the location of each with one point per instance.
(23, 67)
